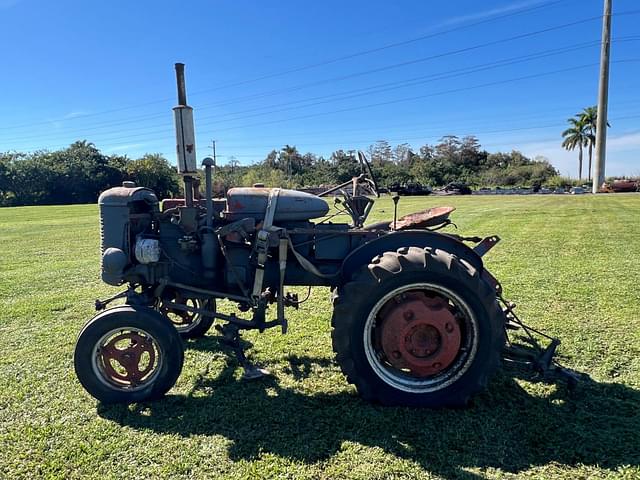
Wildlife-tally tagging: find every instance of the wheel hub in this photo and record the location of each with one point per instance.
(128, 357)
(419, 334)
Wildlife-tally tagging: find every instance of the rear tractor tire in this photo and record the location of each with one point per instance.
(128, 354)
(418, 327)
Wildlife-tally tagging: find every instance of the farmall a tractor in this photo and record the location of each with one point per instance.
(417, 318)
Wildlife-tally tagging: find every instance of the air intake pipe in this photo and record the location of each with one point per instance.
(209, 239)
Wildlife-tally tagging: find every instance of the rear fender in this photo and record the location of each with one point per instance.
(407, 238)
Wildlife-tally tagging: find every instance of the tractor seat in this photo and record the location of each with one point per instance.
(428, 218)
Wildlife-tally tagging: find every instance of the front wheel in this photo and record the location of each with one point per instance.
(418, 327)
(128, 354)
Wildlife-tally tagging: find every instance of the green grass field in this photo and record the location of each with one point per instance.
(572, 264)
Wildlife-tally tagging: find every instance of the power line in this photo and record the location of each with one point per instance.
(412, 62)
(371, 105)
(464, 133)
(134, 119)
(368, 106)
(372, 89)
(394, 45)
(387, 67)
(344, 95)
(380, 103)
(406, 63)
(315, 65)
(407, 83)
(353, 75)
(354, 93)
(420, 97)
(414, 126)
(423, 139)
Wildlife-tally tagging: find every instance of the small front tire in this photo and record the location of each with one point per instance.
(128, 354)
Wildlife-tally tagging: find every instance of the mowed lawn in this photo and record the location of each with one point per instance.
(571, 263)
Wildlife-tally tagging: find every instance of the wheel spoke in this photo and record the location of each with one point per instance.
(180, 318)
(123, 365)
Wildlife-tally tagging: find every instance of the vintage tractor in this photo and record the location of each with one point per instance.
(417, 318)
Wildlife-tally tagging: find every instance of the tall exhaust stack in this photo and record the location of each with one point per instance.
(185, 137)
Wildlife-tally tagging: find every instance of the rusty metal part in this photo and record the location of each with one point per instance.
(621, 185)
(425, 218)
(133, 366)
(486, 244)
(171, 203)
(180, 318)
(419, 334)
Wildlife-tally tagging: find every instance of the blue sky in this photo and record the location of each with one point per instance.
(318, 75)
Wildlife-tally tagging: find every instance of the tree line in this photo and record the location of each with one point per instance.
(77, 174)
(80, 172)
(452, 159)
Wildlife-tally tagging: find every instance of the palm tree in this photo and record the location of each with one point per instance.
(289, 153)
(589, 117)
(576, 136)
(233, 163)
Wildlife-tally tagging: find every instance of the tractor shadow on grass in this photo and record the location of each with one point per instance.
(504, 428)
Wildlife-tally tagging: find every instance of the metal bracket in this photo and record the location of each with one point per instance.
(102, 304)
(231, 338)
(486, 244)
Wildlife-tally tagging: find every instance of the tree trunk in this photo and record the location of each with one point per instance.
(590, 155)
(580, 163)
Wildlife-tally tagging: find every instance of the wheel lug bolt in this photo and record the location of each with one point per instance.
(396, 354)
(408, 315)
(437, 365)
(448, 327)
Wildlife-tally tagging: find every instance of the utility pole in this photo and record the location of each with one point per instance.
(213, 146)
(603, 100)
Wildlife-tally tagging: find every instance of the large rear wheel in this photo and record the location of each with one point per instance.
(418, 327)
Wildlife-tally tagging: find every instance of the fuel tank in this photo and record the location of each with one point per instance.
(247, 202)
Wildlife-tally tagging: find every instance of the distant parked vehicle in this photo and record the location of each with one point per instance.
(545, 191)
(416, 189)
(577, 191)
(454, 188)
(559, 190)
(622, 185)
(409, 189)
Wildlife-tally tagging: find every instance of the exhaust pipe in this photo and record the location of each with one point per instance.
(185, 137)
